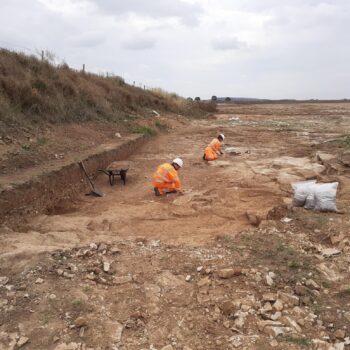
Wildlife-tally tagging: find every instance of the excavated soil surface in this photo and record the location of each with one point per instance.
(134, 271)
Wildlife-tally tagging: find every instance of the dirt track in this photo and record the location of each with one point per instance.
(224, 203)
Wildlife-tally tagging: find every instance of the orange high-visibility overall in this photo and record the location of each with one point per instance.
(166, 179)
(213, 150)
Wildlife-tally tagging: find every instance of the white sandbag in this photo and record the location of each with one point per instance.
(232, 150)
(310, 201)
(301, 190)
(325, 196)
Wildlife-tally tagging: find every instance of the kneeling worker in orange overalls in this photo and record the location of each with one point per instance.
(213, 151)
(166, 179)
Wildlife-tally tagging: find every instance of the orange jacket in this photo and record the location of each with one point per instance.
(166, 177)
(215, 144)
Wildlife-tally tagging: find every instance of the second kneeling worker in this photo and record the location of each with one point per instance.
(214, 148)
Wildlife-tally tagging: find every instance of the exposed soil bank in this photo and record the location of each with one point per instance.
(43, 191)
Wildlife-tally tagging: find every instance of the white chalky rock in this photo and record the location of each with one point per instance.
(269, 280)
(106, 266)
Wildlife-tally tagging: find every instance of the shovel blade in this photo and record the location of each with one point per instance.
(95, 194)
(98, 193)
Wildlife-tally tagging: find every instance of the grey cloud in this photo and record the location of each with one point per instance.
(87, 40)
(295, 48)
(324, 22)
(267, 5)
(321, 12)
(41, 26)
(228, 43)
(139, 44)
(186, 12)
(158, 27)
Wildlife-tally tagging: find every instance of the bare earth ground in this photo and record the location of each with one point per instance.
(228, 265)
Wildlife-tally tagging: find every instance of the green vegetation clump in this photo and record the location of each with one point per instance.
(161, 126)
(145, 130)
(42, 141)
(344, 293)
(305, 342)
(77, 303)
(26, 147)
(344, 142)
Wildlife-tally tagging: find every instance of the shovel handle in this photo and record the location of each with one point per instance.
(82, 166)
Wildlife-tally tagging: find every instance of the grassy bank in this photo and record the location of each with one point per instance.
(34, 93)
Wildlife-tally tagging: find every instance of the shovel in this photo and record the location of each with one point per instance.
(93, 190)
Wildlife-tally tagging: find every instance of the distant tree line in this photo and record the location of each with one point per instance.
(213, 98)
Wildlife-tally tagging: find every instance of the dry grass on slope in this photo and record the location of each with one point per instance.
(34, 92)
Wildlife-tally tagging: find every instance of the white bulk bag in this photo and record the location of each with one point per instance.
(310, 201)
(325, 196)
(302, 190)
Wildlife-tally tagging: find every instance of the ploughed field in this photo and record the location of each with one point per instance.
(228, 265)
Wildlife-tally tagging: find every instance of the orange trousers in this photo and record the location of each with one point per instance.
(164, 187)
(210, 154)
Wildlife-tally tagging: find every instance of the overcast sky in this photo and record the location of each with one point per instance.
(252, 48)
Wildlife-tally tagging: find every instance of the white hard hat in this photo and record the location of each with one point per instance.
(179, 162)
(222, 136)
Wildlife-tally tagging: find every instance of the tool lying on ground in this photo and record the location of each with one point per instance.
(93, 189)
(116, 169)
